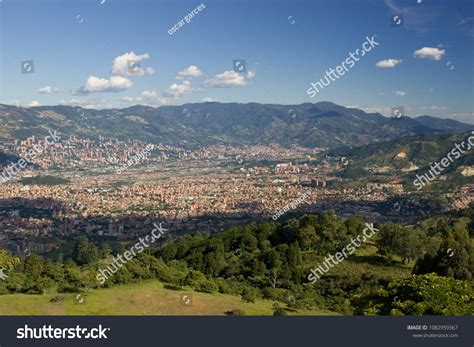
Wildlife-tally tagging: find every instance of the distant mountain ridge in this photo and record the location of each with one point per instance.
(323, 124)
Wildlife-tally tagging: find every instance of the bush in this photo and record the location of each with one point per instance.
(249, 294)
(207, 286)
(279, 311)
(423, 295)
(228, 286)
(235, 313)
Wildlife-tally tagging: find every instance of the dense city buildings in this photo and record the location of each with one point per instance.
(73, 188)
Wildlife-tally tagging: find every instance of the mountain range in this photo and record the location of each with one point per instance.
(322, 124)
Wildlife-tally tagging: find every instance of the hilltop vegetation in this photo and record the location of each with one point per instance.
(272, 261)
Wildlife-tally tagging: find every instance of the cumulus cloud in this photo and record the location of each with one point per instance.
(229, 79)
(47, 90)
(383, 110)
(16, 103)
(129, 64)
(147, 97)
(173, 93)
(209, 100)
(101, 85)
(178, 90)
(400, 93)
(190, 72)
(433, 108)
(463, 117)
(149, 94)
(388, 63)
(91, 103)
(432, 53)
(34, 103)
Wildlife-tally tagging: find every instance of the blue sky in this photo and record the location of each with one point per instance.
(81, 50)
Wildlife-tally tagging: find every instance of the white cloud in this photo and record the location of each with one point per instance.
(432, 53)
(388, 63)
(91, 103)
(463, 117)
(208, 100)
(433, 108)
(47, 90)
(178, 90)
(383, 110)
(118, 81)
(229, 79)
(147, 97)
(129, 99)
(189, 72)
(149, 94)
(400, 93)
(34, 103)
(101, 85)
(16, 103)
(121, 65)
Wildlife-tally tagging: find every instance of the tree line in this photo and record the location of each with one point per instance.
(272, 260)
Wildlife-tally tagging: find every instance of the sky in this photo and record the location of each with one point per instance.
(118, 53)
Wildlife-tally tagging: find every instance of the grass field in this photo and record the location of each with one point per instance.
(145, 298)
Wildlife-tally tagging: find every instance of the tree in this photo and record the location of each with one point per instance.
(355, 225)
(215, 262)
(84, 252)
(105, 250)
(249, 294)
(72, 276)
(168, 252)
(279, 311)
(455, 257)
(7, 261)
(33, 266)
(194, 278)
(423, 295)
(307, 238)
(274, 277)
(405, 242)
(294, 262)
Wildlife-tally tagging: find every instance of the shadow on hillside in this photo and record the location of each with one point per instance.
(55, 223)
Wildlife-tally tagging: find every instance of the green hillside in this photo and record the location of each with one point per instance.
(323, 124)
(407, 157)
(145, 298)
(260, 269)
